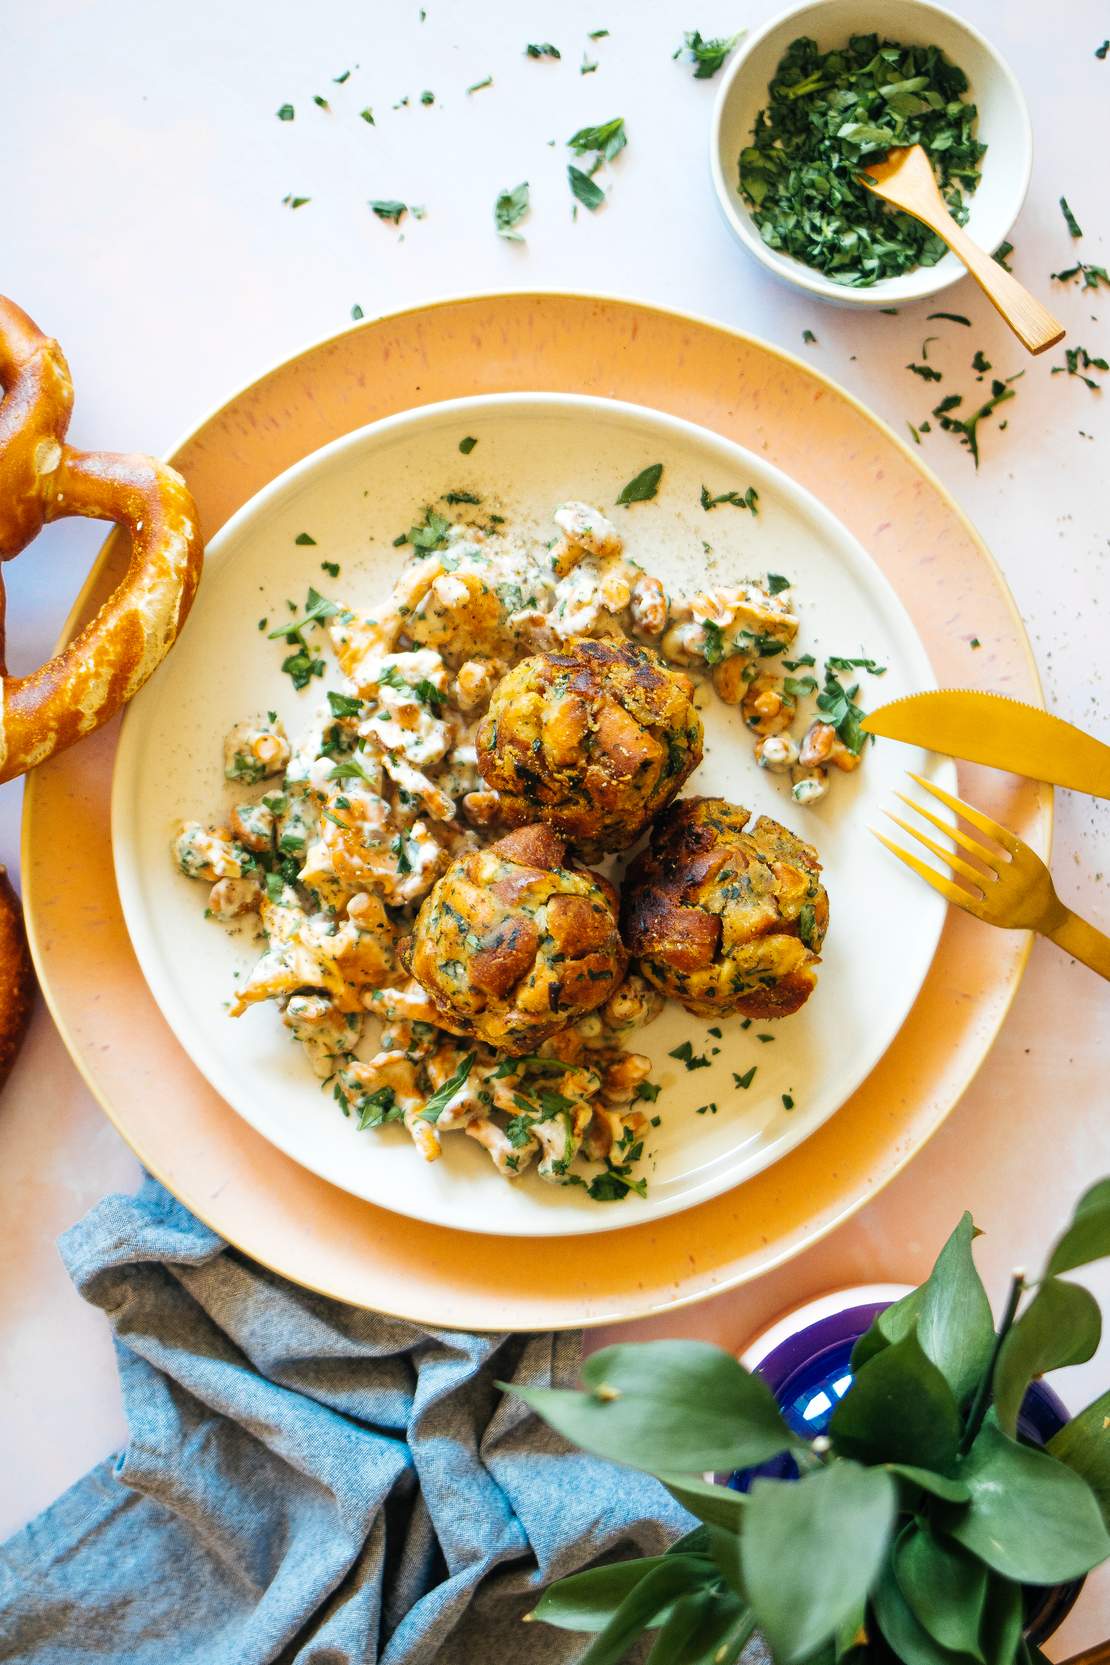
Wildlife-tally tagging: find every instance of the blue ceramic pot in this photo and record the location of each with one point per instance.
(808, 1369)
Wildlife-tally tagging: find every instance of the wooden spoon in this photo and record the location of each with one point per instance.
(905, 177)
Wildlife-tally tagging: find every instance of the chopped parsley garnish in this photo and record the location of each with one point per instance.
(509, 209)
(707, 56)
(706, 1109)
(798, 664)
(798, 686)
(608, 139)
(643, 486)
(331, 568)
(317, 607)
(430, 534)
(838, 706)
(686, 1055)
(600, 34)
(397, 848)
(968, 428)
(827, 113)
(467, 445)
(744, 1080)
(442, 1096)
(388, 209)
(715, 1032)
(776, 583)
(839, 664)
(321, 102)
(295, 202)
(764, 1038)
(588, 65)
(427, 97)
(1070, 220)
(1092, 276)
(1002, 254)
(926, 372)
(582, 187)
(787, 1102)
(1101, 51)
(351, 769)
(376, 1109)
(478, 85)
(519, 1131)
(368, 116)
(286, 113)
(952, 318)
(303, 538)
(614, 1184)
(647, 1090)
(740, 500)
(809, 338)
(543, 50)
(1076, 361)
(974, 642)
(338, 80)
(357, 312)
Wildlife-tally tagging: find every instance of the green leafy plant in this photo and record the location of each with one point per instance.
(919, 1529)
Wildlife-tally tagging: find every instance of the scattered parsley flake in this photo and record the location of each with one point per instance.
(950, 317)
(787, 1102)
(388, 209)
(509, 209)
(583, 188)
(588, 65)
(303, 537)
(442, 1097)
(744, 1080)
(427, 97)
(467, 445)
(368, 116)
(707, 56)
(1093, 276)
(478, 85)
(839, 664)
(1101, 51)
(643, 486)
(338, 80)
(926, 372)
(647, 1090)
(1070, 220)
(980, 363)
(600, 34)
(295, 202)
(1076, 361)
(322, 103)
(331, 568)
(357, 312)
(809, 338)
(608, 139)
(286, 113)
(543, 50)
(776, 583)
(686, 1055)
(1002, 254)
(975, 642)
(740, 500)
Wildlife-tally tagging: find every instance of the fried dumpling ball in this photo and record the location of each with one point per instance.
(594, 740)
(510, 945)
(725, 919)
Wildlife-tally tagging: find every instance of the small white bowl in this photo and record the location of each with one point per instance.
(1003, 126)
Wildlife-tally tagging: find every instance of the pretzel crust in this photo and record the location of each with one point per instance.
(17, 979)
(43, 479)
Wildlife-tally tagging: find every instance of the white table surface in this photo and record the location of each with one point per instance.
(143, 225)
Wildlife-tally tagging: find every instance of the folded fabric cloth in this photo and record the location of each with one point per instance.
(304, 1481)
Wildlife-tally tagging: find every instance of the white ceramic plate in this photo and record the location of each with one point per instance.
(534, 451)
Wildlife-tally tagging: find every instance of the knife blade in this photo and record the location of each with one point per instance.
(1001, 732)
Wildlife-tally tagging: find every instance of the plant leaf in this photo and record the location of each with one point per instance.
(1003, 1617)
(644, 1602)
(811, 1551)
(899, 1409)
(1084, 1445)
(643, 487)
(944, 1588)
(724, 1547)
(908, 1640)
(1032, 1518)
(716, 1505)
(954, 1323)
(697, 1626)
(1088, 1236)
(1061, 1325)
(587, 1600)
(952, 1491)
(667, 1406)
(588, 192)
(892, 1324)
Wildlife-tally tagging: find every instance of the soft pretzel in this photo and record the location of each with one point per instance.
(42, 478)
(17, 979)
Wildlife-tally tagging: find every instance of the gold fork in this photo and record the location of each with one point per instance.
(1012, 887)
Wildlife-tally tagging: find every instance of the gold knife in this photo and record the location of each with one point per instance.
(1001, 732)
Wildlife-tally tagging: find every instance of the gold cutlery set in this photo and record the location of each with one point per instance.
(1005, 883)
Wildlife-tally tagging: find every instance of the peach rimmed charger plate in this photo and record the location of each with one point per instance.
(298, 1224)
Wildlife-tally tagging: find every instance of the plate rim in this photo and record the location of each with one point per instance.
(672, 1299)
(191, 1034)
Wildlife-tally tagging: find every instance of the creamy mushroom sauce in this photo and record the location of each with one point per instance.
(358, 818)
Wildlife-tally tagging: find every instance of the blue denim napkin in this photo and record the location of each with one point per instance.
(304, 1481)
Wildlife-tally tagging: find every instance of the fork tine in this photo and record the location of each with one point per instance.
(1008, 840)
(955, 893)
(975, 874)
(956, 834)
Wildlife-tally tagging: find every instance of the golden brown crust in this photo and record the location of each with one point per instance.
(725, 918)
(17, 978)
(42, 479)
(511, 945)
(594, 740)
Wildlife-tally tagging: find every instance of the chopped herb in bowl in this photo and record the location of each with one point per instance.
(827, 113)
